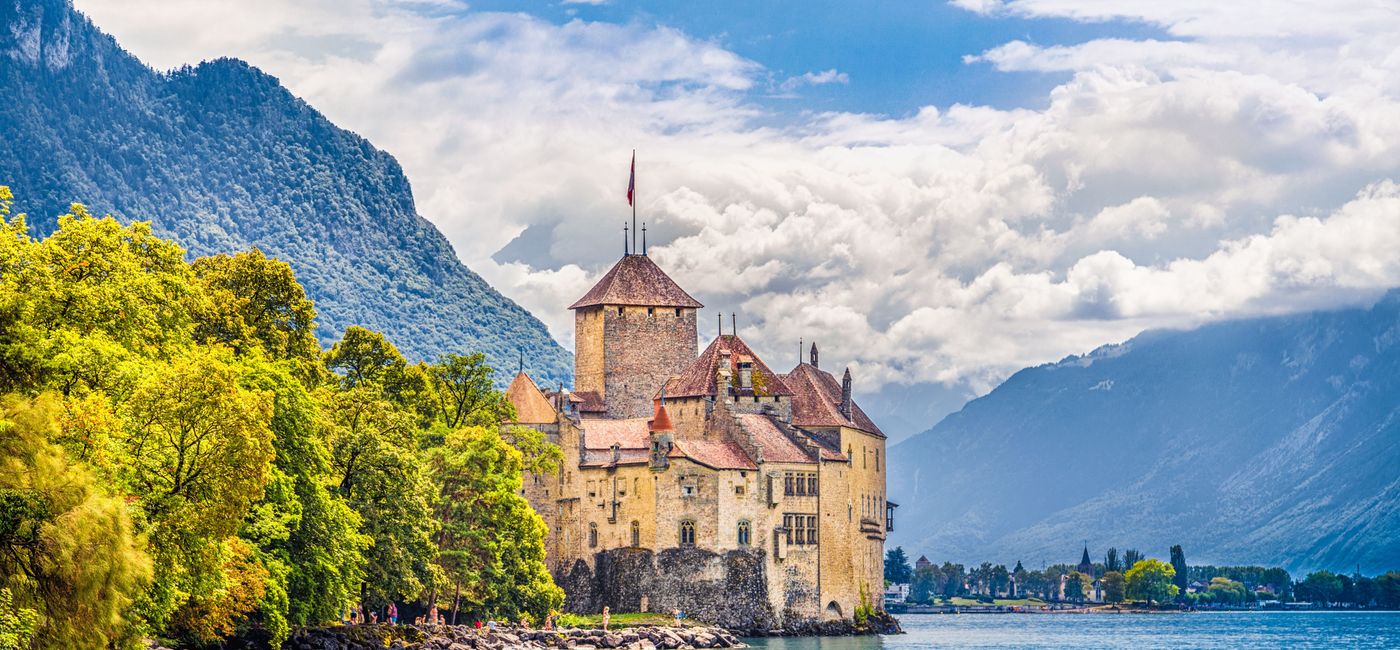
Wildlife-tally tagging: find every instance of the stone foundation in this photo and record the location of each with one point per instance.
(462, 637)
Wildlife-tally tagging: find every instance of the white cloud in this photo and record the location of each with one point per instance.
(1244, 169)
(822, 78)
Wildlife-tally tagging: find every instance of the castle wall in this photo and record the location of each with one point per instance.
(588, 350)
(642, 347)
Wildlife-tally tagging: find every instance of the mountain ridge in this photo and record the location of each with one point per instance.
(1266, 440)
(221, 157)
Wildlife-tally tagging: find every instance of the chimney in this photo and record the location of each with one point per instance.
(814, 354)
(724, 376)
(846, 394)
(616, 453)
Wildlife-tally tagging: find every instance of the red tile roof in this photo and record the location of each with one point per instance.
(698, 379)
(816, 401)
(531, 406)
(776, 446)
(589, 402)
(660, 421)
(715, 454)
(638, 281)
(631, 433)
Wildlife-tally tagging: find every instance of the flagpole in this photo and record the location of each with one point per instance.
(634, 199)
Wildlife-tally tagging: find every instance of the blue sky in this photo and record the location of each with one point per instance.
(898, 56)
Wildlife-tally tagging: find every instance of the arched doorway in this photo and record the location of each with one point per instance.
(833, 611)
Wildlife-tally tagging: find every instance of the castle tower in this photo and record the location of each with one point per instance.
(632, 331)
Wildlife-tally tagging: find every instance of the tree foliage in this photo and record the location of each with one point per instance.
(1151, 580)
(178, 459)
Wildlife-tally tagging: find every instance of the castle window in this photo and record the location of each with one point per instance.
(738, 489)
(799, 485)
(787, 528)
(743, 533)
(592, 535)
(651, 311)
(787, 484)
(877, 460)
(592, 492)
(619, 311)
(687, 533)
(636, 534)
(812, 484)
(678, 312)
(687, 490)
(800, 535)
(812, 529)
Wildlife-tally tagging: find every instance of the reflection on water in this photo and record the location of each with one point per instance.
(1306, 630)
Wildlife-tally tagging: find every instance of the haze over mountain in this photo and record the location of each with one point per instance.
(222, 158)
(1273, 441)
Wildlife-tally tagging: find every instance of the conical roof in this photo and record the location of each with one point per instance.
(636, 281)
(531, 406)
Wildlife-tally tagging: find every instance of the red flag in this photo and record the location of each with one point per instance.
(632, 178)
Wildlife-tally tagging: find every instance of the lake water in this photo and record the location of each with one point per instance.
(1194, 630)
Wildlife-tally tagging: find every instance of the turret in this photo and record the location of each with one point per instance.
(845, 406)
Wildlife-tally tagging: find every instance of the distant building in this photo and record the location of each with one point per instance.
(922, 563)
(703, 481)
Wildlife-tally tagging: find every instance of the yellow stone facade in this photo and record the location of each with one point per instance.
(753, 494)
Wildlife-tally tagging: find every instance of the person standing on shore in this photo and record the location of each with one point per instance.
(607, 616)
(393, 614)
(433, 616)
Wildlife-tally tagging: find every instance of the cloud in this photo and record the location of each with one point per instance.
(822, 78)
(1246, 168)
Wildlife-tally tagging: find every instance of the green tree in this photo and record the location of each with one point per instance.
(1322, 587)
(1226, 591)
(464, 392)
(1114, 587)
(1183, 572)
(1151, 580)
(1131, 557)
(1077, 586)
(68, 550)
(491, 541)
(17, 624)
(1111, 562)
(1388, 590)
(897, 569)
(255, 301)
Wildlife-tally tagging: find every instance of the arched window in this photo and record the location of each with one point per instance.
(592, 535)
(744, 533)
(636, 534)
(687, 533)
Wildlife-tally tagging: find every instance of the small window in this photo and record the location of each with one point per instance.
(619, 311)
(787, 528)
(812, 484)
(636, 534)
(812, 529)
(678, 312)
(687, 490)
(651, 311)
(738, 489)
(744, 533)
(592, 492)
(877, 460)
(687, 533)
(787, 484)
(800, 535)
(592, 535)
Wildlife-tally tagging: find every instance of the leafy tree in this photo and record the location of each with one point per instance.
(464, 392)
(1111, 562)
(1131, 557)
(897, 569)
(491, 541)
(1151, 580)
(1321, 587)
(17, 624)
(1019, 575)
(1388, 590)
(68, 550)
(255, 301)
(1227, 591)
(1078, 586)
(1114, 587)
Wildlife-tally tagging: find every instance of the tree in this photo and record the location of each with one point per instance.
(1018, 584)
(1131, 557)
(1226, 591)
(1321, 587)
(897, 569)
(491, 541)
(1183, 572)
(1114, 587)
(1110, 562)
(255, 301)
(1151, 580)
(1388, 590)
(1077, 586)
(464, 392)
(68, 550)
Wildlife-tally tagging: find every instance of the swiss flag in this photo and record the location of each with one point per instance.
(632, 178)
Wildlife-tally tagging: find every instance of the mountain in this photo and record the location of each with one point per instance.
(220, 157)
(1272, 441)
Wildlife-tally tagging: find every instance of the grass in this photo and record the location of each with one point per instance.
(999, 602)
(618, 620)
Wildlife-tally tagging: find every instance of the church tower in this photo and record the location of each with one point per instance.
(632, 331)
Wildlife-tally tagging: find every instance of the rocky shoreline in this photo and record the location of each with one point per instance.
(462, 637)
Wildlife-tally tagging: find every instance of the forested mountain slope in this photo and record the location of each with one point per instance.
(222, 158)
(1272, 441)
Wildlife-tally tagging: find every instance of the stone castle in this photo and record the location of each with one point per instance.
(704, 482)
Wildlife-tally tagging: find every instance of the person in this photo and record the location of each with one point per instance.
(433, 615)
(549, 621)
(393, 614)
(491, 624)
(524, 622)
(477, 625)
(373, 617)
(676, 614)
(607, 616)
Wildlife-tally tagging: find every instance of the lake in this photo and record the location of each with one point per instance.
(1181, 630)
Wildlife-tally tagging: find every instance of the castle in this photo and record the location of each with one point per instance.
(704, 482)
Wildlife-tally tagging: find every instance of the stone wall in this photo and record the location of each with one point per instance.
(642, 348)
(728, 589)
(588, 350)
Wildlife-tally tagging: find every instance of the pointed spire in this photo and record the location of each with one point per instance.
(846, 394)
(814, 355)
